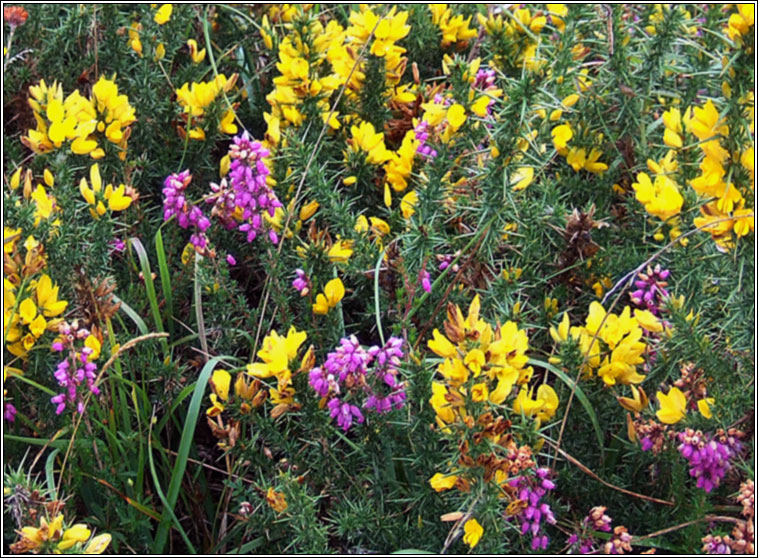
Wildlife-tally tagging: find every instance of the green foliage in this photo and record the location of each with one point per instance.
(500, 211)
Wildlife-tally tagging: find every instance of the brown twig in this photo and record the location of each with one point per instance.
(707, 518)
(594, 475)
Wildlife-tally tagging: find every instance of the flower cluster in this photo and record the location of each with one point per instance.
(480, 366)
(455, 30)
(278, 354)
(188, 214)
(76, 373)
(612, 344)
(347, 377)
(195, 98)
(117, 199)
(253, 197)
(708, 456)
(742, 538)
(79, 120)
(650, 291)
(30, 308)
(531, 489)
(577, 157)
(516, 37)
(56, 537)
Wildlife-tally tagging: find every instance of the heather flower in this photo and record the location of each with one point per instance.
(77, 372)
(175, 203)
(252, 196)
(531, 490)
(651, 289)
(344, 413)
(708, 456)
(424, 278)
(347, 376)
(300, 283)
(10, 412)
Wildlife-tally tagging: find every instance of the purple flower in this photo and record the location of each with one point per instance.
(708, 456)
(300, 283)
(344, 413)
(348, 377)
(426, 284)
(75, 373)
(531, 489)
(10, 412)
(230, 260)
(188, 215)
(651, 289)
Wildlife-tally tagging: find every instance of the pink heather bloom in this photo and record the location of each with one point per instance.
(230, 260)
(10, 412)
(426, 283)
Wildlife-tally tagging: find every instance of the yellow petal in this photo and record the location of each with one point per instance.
(334, 291)
(704, 406)
(220, 383)
(456, 116)
(163, 15)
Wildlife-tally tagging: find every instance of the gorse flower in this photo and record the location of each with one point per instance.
(472, 532)
(94, 194)
(196, 97)
(27, 314)
(53, 537)
(334, 290)
(278, 354)
(79, 120)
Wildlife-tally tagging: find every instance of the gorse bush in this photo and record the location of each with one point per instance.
(364, 279)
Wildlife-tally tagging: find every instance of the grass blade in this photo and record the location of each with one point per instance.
(180, 465)
(160, 253)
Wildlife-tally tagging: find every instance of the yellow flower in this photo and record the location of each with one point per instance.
(561, 334)
(408, 204)
(648, 320)
(472, 532)
(660, 198)
(365, 138)
(276, 500)
(220, 382)
(561, 136)
(637, 403)
(160, 52)
(98, 544)
(543, 407)
(44, 204)
(522, 178)
(276, 353)
(673, 406)
(334, 291)
(196, 55)
(78, 533)
(705, 122)
(341, 251)
(456, 116)
(27, 310)
(480, 392)
(704, 406)
(440, 482)
(163, 15)
(308, 210)
(441, 345)
(591, 164)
